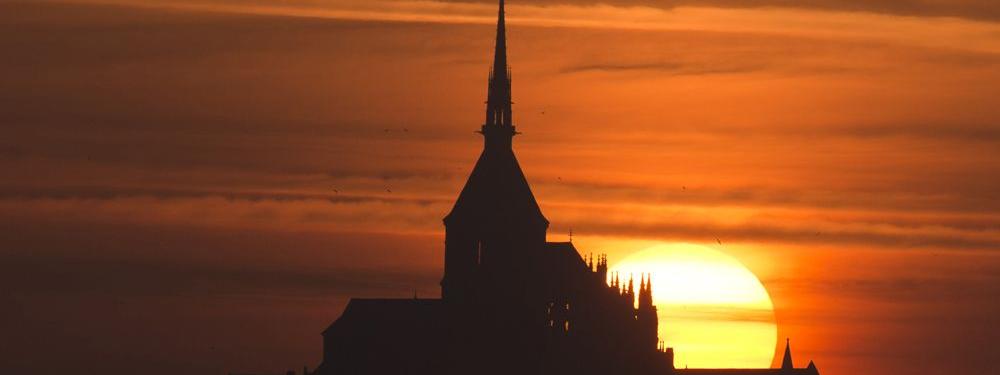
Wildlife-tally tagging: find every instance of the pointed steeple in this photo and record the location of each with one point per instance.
(646, 292)
(500, 70)
(786, 362)
(630, 292)
(499, 125)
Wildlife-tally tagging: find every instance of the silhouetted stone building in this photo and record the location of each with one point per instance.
(511, 302)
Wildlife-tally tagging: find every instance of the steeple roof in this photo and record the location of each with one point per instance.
(497, 194)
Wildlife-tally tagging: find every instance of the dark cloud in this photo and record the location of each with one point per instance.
(819, 235)
(727, 314)
(131, 278)
(972, 9)
(672, 68)
(111, 193)
(989, 133)
(113, 297)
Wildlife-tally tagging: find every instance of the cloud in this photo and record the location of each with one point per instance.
(672, 68)
(709, 313)
(111, 193)
(776, 233)
(943, 8)
(183, 296)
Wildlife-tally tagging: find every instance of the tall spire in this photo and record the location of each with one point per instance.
(499, 125)
(786, 362)
(500, 49)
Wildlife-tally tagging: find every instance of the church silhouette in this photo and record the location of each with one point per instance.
(511, 302)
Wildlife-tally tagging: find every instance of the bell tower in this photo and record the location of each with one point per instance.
(495, 221)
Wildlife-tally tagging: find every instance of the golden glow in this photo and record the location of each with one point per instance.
(712, 310)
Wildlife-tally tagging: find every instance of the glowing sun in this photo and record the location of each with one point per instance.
(712, 310)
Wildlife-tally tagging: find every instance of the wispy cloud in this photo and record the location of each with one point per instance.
(672, 68)
(828, 21)
(965, 9)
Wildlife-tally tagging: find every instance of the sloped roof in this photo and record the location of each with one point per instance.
(363, 314)
(564, 254)
(497, 193)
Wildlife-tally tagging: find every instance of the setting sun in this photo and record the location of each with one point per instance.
(712, 310)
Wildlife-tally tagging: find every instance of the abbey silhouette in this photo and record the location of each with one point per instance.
(511, 302)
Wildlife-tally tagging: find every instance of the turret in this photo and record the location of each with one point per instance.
(646, 313)
(602, 267)
(646, 292)
(629, 292)
(669, 353)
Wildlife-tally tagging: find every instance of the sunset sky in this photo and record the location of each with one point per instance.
(198, 186)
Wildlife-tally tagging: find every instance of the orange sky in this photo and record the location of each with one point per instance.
(168, 167)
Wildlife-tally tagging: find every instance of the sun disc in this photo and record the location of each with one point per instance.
(712, 310)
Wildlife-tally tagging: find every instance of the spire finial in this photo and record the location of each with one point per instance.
(498, 101)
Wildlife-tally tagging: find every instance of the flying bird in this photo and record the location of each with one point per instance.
(717, 240)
